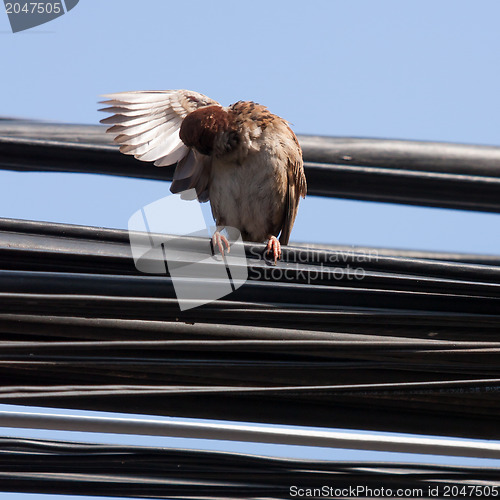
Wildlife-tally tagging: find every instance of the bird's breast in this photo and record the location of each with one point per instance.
(249, 196)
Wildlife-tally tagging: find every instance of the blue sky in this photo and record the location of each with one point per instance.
(421, 70)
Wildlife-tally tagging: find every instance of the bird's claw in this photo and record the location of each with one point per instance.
(274, 245)
(217, 241)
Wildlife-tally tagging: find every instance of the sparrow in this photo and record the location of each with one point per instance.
(243, 159)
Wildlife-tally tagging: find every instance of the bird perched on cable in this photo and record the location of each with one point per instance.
(242, 158)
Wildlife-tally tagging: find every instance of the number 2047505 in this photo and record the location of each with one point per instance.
(33, 8)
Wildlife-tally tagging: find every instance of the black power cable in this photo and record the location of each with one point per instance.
(413, 347)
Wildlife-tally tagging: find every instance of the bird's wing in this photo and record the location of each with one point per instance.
(193, 172)
(297, 187)
(146, 125)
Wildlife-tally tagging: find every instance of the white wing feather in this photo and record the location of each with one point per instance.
(146, 123)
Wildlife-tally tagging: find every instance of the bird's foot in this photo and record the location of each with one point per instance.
(217, 242)
(274, 245)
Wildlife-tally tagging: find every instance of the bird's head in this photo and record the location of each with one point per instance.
(202, 129)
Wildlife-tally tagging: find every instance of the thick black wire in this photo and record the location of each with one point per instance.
(399, 351)
(62, 467)
(421, 173)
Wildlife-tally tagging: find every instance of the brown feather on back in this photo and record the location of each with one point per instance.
(297, 187)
